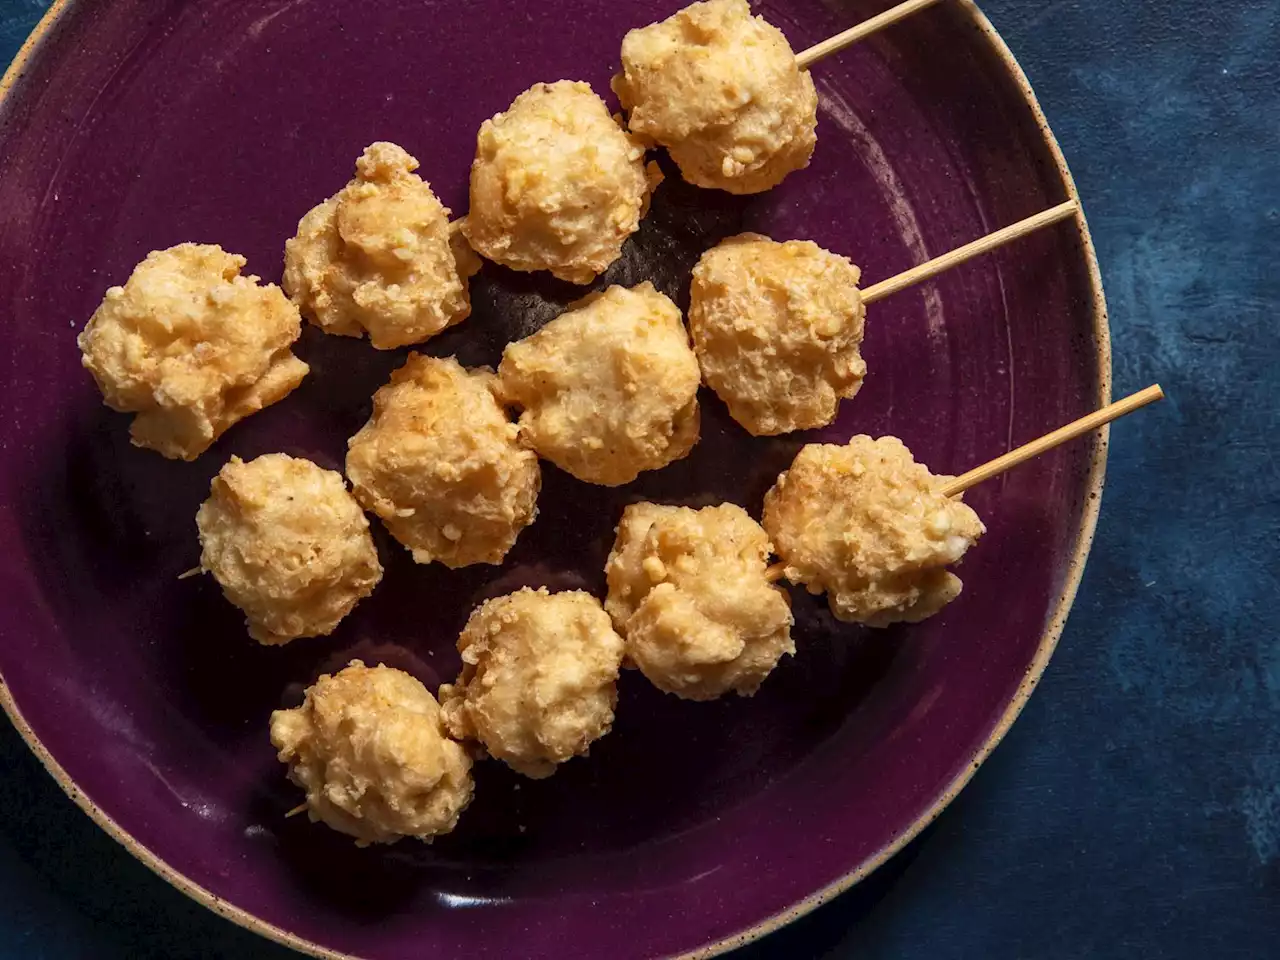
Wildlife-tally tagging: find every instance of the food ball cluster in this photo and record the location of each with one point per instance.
(379, 256)
(867, 525)
(557, 184)
(288, 545)
(721, 90)
(369, 747)
(777, 328)
(688, 589)
(538, 681)
(190, 347)
(606, 391)
(609, 388)
(440, 465)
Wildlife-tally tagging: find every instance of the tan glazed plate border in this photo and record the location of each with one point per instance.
(1048, 640)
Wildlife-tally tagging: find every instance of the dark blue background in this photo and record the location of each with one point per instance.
(1134, 810)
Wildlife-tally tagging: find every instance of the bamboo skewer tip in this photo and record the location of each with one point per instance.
(975, 248)
(1071, 431)
(847, 38)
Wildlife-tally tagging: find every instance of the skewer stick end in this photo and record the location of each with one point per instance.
(1077, 428)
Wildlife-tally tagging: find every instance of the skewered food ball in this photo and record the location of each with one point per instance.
(870, 527)
(688, 590)
(721, 90)
(538, 681)
(288, 545)
(191, 347)
(777, 328)
(369, 747)
(440, 464)
(557, 184)
(380, 257)
(609, 388)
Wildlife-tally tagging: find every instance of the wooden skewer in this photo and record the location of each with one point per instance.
(847, 38)
(1027, 451)
(991, 241)
(296, 810)
(931, 268)
(1060, 436)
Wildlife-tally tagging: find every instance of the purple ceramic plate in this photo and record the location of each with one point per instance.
(135, 124)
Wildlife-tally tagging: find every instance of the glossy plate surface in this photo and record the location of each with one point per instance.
(136, 124)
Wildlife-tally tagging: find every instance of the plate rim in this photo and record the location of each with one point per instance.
(1049, 638)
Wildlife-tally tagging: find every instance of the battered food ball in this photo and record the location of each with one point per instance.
(538, 681)
(777, 328)
(557, 184)
(191, 347)
(689, 592)
(369, 747)
(609, 388)
(380, 257)
(720, 89)
(869, 526)
(288, 544)
(440, 465)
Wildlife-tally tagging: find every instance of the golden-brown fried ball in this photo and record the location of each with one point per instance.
(869, 526)
(191, 347)
(369, 747)
(688, 590)
(777, 328)
(288, 545)
(441, 466)
(538, 681)
(380, 256)
(721, 90)
(609, 388)
(557, 184)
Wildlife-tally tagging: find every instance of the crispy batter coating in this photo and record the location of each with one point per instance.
(380, 257)
(369, 747)
(288, 544)
(538, 681)
(720, 89)
(609, 388)
(191, 347)
(557, 184)
(777, 328)
(869, 526)
(689, 592)
(441, 466)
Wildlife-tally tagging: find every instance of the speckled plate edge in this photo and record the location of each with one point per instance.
(1048, 640)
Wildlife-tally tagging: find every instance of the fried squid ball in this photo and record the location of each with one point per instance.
(688, 590)
(440, 465)
(288, 545)
(777, 328)
(557, 184)
(869, 526)
(609, 388)
(721, 90)
(369, 747)
(538, 681)
(191, 347)
(380, 257)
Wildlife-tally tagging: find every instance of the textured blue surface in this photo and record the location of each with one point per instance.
(1134, 810)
